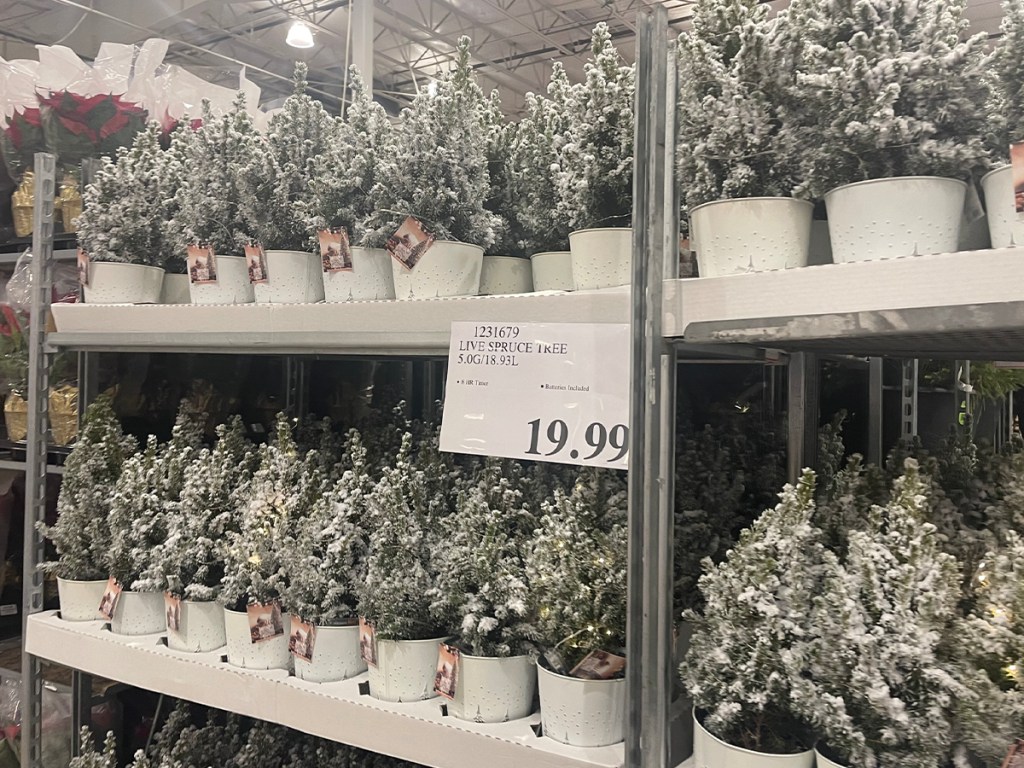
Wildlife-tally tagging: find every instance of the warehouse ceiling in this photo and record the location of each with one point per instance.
(514, 41)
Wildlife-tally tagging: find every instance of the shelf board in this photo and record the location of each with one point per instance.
(957, 305)
(416, 731)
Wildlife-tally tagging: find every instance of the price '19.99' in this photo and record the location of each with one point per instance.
(598, 437)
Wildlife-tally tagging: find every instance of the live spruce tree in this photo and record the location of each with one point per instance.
(90, 757)
(480, 571)
(122, 208)
(576, 567)
(732, 132)
(439, 172)
(596, 178)
(509, 233)
(275, 181)
(209, 196)
(1006, 105)
(326, 555)
(883, 89)
(173, 172)
(742, 665)
(81, 534)
(535, 162)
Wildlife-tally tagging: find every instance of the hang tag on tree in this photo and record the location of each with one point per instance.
(172, 608)
(1017, 173)
(82, 259)
(446, 680)
(599, 665)
(335, 251)
(410, 243)
(265, 621)
(1015, 757)
(201, 263)
(256, 262)
(555, 661)
(302, 639)
(111, 595)
(367, 642)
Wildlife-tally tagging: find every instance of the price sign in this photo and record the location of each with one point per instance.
(554, 392)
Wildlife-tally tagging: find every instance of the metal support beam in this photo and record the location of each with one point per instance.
(35, 469)
(802, 414)
(649, 673)
(876, 394)
(908, 399)
(81, 707)
(361, 35)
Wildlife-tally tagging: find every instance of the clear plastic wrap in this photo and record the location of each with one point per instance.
(21, 132)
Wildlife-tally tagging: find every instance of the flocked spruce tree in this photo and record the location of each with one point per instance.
(535, 164)
(439, 171)
(353, 164)
(173, 172)
(731, 136)
(275, 181)
(595, 182)
(90, 757)
(510, 237)
(480, 571)
(878, 686)
(1006, 105)
(883, 89)
(325, 557)
(209, 197)
(122, 209)
(576, 567)
(81, 534)
(741, 666)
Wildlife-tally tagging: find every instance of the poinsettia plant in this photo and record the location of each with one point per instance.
(76, 127)
(20, 139)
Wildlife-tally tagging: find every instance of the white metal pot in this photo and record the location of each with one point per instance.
(335, 656)
(370, 278)
(582, 713)
(709, 751)
(114, 283)
(601, 258)
(242, 652)
(751, 234)
(200, 628)
(138, 613)
(80, 600)
(1004, 227)
(175, 289)
(887, 218)
(448, 268)
(502, 275)
(823, 762)
(493, 690)
(232, 286)
(293, 277)
(552, 271)
(405, 670)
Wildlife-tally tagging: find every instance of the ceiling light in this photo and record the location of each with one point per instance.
(299, 35)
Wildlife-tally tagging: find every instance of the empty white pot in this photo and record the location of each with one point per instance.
(293, 277)
(601, 258)
(448, 268)
(335, 656)
(200, 628)
(751, 234)
(242, 652)
(370, 278)
(1004, 227)
(138, 613)
(494, 690)
(582, 713)
(114, 283)
(405, 670)
(552, 271)
(887, 218)
(80, 600)
(232, 286)
(710, 751)
(175, 289)
(503, 275)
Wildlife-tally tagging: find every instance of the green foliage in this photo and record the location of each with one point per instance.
(90, 757)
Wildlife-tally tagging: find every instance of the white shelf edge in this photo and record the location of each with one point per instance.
(416, 731)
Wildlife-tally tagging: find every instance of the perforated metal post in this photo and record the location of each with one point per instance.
(908, 399)
(35, 470)
(802, 447)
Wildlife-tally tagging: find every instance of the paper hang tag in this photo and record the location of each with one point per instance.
(599, 665)
(1015, 756)
(367, 642)
(302, 639)
(256, 262)
(335, 252)
(410, 243)
(82, 258)
(1017, 171)
(265, 621)
(446, 680)
(172, 607)
(111, 595)
(202, 264)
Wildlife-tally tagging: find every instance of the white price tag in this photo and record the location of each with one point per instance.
(554, 392)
